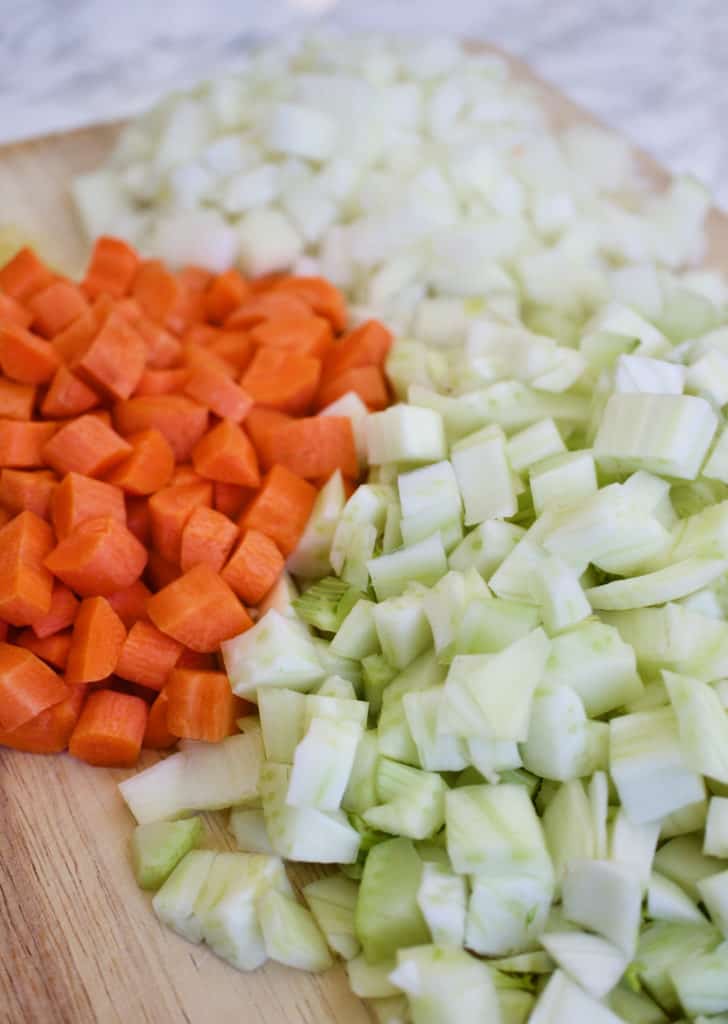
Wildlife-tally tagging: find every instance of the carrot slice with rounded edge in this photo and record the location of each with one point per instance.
(163, 350)
(85, 445)
(16, 399)
(282, 380)
(226, 454)
(307, 335)
(50, 731)
(149, 467)
(26, 585)
(196, 357)
(24, 275)
(55, 307)
(199, 609)
(148, 656)
(130, 603)
(315, 446)
(365, 381)
(156, 289)
(68, 396)
(186, 474)
(254, 567)
(51, 649)
(11, 311)
(219, 393)
(96, 643)
(208, 536)
(201, 705)
(22, 489)
(98, 558)
(230, 499)
(78, 498)
(169, 510)
(234, 347)
(224, 295)
(60, 615)
(157, 735)
(160, 571)
(260, 424)
(162, 382)
(281, 508)
(367, 345)
(114, 360)
(111, 269)
(267, 306)
(324, 298)
(23, 443)
(110, 729)
(182, 421)
(27, 686)
(25, 357)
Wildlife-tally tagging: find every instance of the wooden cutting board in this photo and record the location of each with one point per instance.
(78, 941)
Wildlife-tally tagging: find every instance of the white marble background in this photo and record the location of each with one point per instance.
(657, 70)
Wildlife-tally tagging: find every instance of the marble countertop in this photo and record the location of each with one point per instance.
(654, 69)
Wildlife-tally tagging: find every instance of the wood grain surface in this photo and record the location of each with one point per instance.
(78, 941)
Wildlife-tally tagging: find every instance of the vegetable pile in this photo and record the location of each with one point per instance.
(138, 515)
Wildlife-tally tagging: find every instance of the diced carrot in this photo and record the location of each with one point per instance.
(157, 290)
(26, 584)
(195, 279)
(60, 615)
(201, 705)
(130, 604)
(306, 335)
(190, 306)
(67, 396)
(12, 312)
(27, 686)
(160, 572)
(201, 334)
(315, 446)
(199, 609)
(110, 730)
(98, 558)
(77, 336)
(261, 424)
(5, 516)
(318, 293)
(226, 454)
(224, 295)
(208, 536)
(366, 381)
(127, 307)
(185, 473)
(367, 345)
(51, 649)
(149, 467)
(162, 348)
(169, 510)
(267, 282)
(55, 307)
(162, 382)
(254, 567)
(282, 380)
(137, 519)
(48, 732)
(268, 306)
(111, 269)
(219, 394)
(148, 656)
(78, 498)
(23, 489)
(103, 415)
(195, 659)
(96, 643)
(230, 498)
(196, 357)
(102, 308)
(23, 443)
(16, 400)
(234, 347)
(25, 357)
(114, 360)
(85, 445)
(182, 421)
(281, 508)
(24, 275)
(157, 735)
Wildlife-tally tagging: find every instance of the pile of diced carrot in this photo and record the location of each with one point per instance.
(160, 454)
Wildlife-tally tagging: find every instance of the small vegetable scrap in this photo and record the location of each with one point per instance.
(163, 436)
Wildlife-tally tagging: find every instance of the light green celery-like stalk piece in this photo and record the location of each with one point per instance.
(562, 743)
(534, 444)
(437, 752)
(702, 725)
(174, 903)
(424, 562)
(683, 861)
(606, 898)
(442, 898)
(402, 627)
(156, 848)
(507, 912)
(405, 433)
(663, 945)
(290, 933)
(489, 625)
(322, 764)
(484, 476)
(371, 981)
(248, 826)
(411, 802)
(666, 901)
(701, 982)
(658, 587)
(311, 559)
(564, 1002)
(485, 547)
(592, 962)
(388, 917)
(445, 985)
(332, 902)
(563, 479)
(568, 827)
(275, 652)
